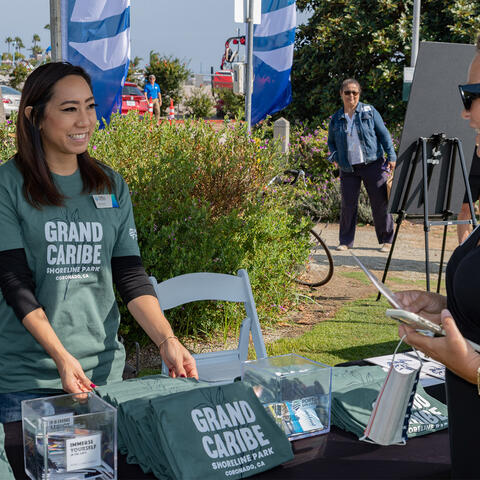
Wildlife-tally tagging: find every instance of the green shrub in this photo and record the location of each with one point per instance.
(195, 193)
(199, 104)
(7, 138)
(230, 104)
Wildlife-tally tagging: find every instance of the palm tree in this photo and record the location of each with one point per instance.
(35, 39)
(136, 61)
(8, 41)
(18, 44)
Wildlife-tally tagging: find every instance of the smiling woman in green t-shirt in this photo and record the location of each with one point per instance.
(68, 234)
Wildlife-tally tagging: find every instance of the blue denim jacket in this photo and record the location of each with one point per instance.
(374, 137)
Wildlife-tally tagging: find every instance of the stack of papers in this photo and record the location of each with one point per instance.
(182, 428)
(355, 390)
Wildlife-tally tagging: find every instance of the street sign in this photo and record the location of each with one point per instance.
(407, 82)
(241, 11)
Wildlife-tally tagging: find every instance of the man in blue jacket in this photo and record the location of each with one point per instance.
(357, 140)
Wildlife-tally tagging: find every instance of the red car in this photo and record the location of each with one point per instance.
(133, 99)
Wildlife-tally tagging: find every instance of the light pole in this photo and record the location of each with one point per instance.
(415, 31)
(248, 90)
(56, 30)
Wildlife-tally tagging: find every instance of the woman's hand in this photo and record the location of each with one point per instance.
(426, 304)
(178, 359)
(452, 350)
(72, 375)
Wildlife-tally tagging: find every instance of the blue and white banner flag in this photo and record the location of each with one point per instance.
(96, 36)
(273, 42)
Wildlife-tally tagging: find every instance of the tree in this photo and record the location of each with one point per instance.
(18, 46)
(9, 41)
(170, 74)
(132, 69)
(36, 50)
(369, 40)
(18, 76)
(136, 61)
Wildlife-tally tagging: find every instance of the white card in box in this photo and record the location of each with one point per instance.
(69, 437)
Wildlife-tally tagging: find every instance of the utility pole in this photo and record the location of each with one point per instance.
(415, 32)
(2, 109)
(249, 86)
(56, 30)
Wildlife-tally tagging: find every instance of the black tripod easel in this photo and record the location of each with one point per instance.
(427, 165)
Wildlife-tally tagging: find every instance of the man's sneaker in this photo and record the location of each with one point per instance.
(342, 247)
(385, 247)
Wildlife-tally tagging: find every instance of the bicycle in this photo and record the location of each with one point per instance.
(319, 269)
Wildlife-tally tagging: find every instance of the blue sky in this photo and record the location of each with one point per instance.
(192, 30)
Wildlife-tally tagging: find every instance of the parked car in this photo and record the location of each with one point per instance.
(133, 99)
(11, 99)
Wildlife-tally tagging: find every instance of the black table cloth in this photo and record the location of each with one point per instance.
(338, 455)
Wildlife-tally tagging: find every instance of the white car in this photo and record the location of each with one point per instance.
(11, 99)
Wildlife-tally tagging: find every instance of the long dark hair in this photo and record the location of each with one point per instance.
(38, 185)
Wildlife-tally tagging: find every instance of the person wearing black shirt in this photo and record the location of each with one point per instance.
(459, 315)
(463, 231)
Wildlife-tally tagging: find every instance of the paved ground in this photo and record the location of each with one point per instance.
(408, 260)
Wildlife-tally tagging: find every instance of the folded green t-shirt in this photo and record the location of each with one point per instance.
(129, 398)
(6, 472)
(355, 389)
(219, 432)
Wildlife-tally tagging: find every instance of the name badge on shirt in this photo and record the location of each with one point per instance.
(105, 201)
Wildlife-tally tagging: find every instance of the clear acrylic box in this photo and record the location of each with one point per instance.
(70, 437)
(296, 391)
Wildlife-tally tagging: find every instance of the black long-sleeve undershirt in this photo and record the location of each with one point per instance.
(18, 286)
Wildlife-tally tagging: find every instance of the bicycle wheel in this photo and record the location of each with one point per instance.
(319, 267)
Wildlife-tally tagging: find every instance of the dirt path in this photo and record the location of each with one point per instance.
(408, 264)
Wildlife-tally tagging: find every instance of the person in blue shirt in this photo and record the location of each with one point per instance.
(357, 140)
(153, 94)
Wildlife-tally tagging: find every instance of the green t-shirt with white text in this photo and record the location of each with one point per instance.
(69, 251)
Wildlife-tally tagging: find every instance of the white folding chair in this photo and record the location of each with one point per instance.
(225, 365)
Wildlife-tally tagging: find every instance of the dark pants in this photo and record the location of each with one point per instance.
(463, 426)
(374, 178)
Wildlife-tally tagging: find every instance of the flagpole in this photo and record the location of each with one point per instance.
(56, 30)
(248, 94)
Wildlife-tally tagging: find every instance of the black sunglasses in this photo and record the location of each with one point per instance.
(350, 92)
(469, 93)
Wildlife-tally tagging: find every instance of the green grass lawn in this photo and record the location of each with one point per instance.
(359, 330)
